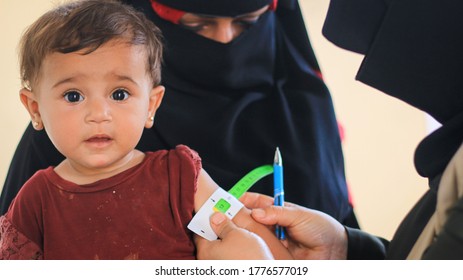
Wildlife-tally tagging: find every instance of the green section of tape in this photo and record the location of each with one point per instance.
(250, 179)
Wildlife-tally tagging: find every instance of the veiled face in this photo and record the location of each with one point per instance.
(221, 29)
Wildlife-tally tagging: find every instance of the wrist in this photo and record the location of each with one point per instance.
(340, 245)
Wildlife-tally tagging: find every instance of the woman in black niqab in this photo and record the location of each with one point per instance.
(413, 52)
(235, 103)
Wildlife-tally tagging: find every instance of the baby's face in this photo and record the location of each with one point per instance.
(94, 106)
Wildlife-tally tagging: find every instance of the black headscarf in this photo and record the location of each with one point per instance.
(235, 103)
(413, 52)
(225, 8)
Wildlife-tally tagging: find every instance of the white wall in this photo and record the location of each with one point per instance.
(381, 133)
(14, 17)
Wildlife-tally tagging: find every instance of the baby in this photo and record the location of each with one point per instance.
(91, 78)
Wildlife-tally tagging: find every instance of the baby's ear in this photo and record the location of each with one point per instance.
(155, 98)
(29, 101)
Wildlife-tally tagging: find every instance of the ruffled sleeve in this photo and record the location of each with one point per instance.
(184, 168)
(16, 246)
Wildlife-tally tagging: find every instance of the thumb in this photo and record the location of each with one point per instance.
(283, 216)
(221, 225)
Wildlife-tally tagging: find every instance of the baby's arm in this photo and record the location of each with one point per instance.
(207, 186)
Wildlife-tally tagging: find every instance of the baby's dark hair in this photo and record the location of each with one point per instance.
(86, 25)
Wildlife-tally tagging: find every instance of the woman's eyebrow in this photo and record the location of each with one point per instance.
(206, 16)
(252, 14)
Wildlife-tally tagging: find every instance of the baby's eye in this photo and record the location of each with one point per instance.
(73, 97)
(120, 95)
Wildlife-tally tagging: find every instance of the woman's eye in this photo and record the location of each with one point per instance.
(195, 27)
(120, 95)
(247, 22)
(73, 97)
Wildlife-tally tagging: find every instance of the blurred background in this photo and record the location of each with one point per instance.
(381, 132)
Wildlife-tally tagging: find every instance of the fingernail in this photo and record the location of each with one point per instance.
(218, 218)
(258, 213)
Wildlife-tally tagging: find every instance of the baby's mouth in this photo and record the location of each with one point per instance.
(97, 139)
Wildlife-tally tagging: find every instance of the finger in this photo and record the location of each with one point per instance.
(221, 225)
(256, 200)
(276, 215)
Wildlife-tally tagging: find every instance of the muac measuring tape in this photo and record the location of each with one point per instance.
(225, 202)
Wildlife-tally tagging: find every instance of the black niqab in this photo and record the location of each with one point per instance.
(235, 103)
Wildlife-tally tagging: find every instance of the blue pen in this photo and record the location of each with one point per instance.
(278, 189)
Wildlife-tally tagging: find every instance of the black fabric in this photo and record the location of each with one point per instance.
(230, 8)
(418, 60)
(435, 151)
(353, 25)
(235, 103)
(413, 51)
(362, 246)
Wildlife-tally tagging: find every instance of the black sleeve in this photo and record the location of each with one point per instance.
(353, 24)
(35, 151)
(364, 246)
(449, 244)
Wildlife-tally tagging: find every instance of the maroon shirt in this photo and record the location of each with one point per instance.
(141, 213)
